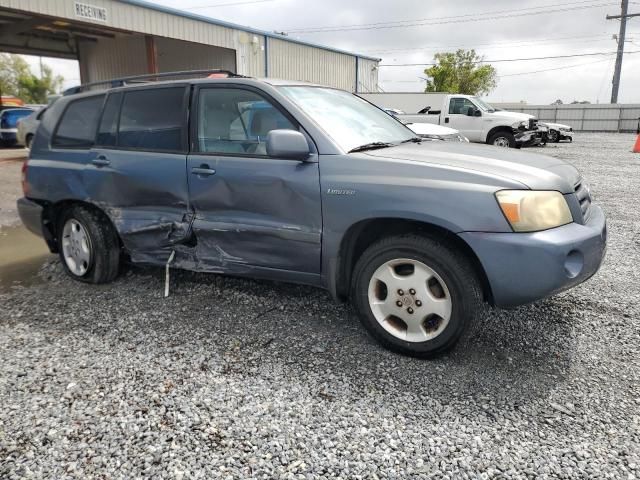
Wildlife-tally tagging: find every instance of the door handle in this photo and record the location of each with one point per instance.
(101, 161)
(446, 119)
(203, 170)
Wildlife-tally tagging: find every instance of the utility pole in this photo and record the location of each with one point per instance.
(623, 29)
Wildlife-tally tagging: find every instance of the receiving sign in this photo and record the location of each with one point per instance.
(91, 12)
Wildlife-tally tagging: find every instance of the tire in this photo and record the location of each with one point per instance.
(448, 285)
(88, 245)
(554, 136)
(28, 140)
(502, 139)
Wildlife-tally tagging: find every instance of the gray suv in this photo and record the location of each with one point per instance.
(303, 183)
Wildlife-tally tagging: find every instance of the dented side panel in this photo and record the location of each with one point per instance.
(257, 212)
(145, 194)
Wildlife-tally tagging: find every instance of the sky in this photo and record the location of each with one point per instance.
(404, 32)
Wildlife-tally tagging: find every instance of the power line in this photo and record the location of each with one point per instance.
(214, 5)
(519, 73)
(553, 69)
(412, 20)
(575, 38)
(477, 17)
(508, 59)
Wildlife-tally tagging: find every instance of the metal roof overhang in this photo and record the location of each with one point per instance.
(34, 34)
(213, 21)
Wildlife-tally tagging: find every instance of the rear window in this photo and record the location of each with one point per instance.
(152, 120)
(10, 117)
(77, 127)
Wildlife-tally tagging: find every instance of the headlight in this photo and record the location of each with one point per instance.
(531, 211)
(522, 124)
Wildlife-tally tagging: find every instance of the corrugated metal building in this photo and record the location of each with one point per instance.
(112, 38)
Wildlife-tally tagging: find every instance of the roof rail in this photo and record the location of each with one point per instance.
(121, 82)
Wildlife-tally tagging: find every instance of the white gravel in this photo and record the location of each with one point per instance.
(231, 378)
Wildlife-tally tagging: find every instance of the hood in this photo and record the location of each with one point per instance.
(535, 171)
(516, 116)
(431, 129)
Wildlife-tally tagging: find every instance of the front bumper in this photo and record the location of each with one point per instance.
(524, 267)
(529, 138)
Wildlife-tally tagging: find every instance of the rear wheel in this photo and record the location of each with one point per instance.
(88, 245)
(503, 139)
(414, 294)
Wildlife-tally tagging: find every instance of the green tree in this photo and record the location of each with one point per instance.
(12, 67)
(460, 72)
(16, 78)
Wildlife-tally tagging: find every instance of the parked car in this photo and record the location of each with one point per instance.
(320, 188)
(429, 130)
(471, 116)
(394, 111)
(436, 132)
(9, 118)
(559, 131)
(27, 127)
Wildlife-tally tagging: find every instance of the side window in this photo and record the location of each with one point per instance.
(108, 130)
(237, 121)
(460, 106)
(152, 120)
(77, 127)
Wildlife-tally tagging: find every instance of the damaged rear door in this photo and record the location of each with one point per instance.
(137, 171)
(254, 213)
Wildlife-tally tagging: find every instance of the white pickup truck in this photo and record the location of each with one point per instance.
(475, 119)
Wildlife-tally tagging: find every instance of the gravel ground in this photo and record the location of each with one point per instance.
(231, 378)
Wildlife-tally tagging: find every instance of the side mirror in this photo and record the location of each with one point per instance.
(471, 111)
(289, 144)
(477, 113)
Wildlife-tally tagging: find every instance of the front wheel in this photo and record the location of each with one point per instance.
(89, 246)
(503, 139)
(414, 294)
(554, 136)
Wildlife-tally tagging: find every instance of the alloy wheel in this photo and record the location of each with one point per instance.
(76, 247)
(409, 300)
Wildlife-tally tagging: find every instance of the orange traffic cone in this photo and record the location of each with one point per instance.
(636, 147)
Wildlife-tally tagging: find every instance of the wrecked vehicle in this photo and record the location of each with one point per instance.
(473, 117)
(429, 131)
(559, 131)
(297, 182)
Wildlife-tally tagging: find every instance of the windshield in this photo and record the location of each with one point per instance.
(350, 121)
(485, 107)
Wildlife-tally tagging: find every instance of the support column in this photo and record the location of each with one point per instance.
(152, 54)
(266, 56)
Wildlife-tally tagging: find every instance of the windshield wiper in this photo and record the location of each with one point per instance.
(371, 146)
(412, 139)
